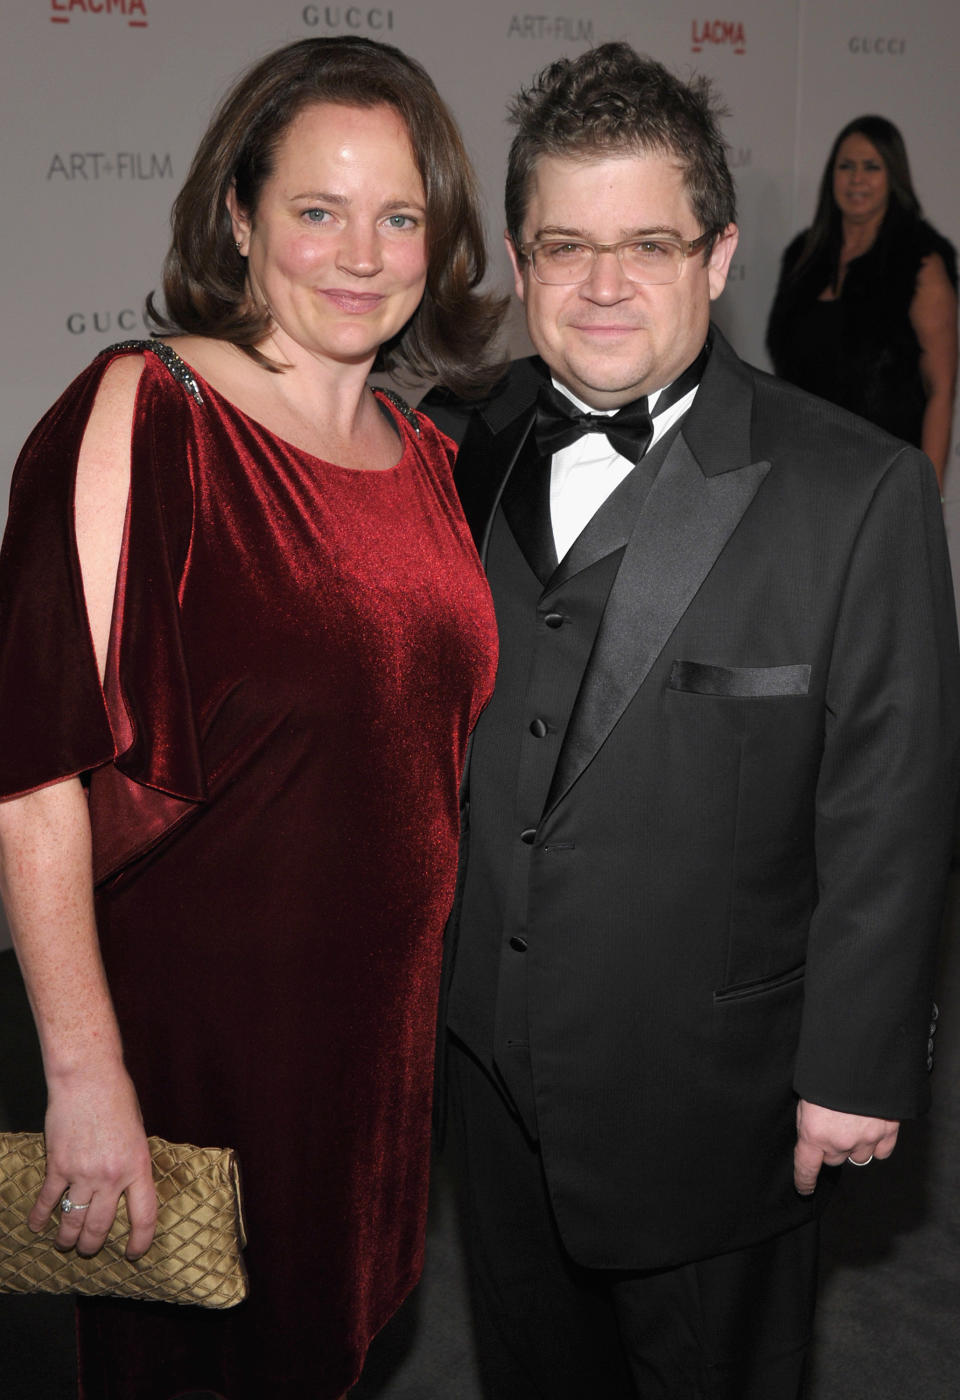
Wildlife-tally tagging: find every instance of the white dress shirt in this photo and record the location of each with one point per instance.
(584, 474)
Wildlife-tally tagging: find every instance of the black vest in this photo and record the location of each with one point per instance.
(548, 616)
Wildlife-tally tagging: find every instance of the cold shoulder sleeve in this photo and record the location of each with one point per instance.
(135, 736)
(53, 719)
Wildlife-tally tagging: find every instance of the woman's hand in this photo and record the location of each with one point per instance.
(96, 1148)
(96, 1152)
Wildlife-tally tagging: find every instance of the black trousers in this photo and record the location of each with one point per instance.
(733, 1327)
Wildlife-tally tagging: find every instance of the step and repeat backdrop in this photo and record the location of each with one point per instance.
(102, 103)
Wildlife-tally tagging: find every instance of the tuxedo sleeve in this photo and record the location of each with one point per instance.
(886, 806)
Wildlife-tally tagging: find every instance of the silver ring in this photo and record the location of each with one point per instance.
(66, 1205)
(854, 1163)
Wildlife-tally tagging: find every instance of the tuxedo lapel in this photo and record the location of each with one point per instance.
(484, 464)
(612, 525)
(693, 507)
(492, 444)
(526, 505)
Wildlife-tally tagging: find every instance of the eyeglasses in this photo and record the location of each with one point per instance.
(649, 261)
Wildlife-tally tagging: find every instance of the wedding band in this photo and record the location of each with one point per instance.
(854, 1163)
(66, 1205)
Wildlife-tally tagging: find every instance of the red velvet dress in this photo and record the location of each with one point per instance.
(299, 652)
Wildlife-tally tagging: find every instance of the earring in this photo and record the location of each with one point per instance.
(239, 248)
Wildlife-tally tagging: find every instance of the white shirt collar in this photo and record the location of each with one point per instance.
(584, 474)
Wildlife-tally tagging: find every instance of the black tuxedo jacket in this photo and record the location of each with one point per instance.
(737, 878)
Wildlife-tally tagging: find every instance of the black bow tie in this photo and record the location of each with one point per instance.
(628, 431)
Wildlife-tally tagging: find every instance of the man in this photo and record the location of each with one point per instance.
(711, 803)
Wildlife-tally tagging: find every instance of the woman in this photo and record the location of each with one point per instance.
(866, 310)
(252, 649)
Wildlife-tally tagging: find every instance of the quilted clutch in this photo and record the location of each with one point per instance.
(195, 1256)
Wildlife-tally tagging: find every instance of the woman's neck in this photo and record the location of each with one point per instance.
(316, 403)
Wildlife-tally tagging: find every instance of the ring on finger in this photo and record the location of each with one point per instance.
(854, 1163)
(66, 1205)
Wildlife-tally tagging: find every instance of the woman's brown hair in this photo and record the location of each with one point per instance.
(204, 277)
(824, 240)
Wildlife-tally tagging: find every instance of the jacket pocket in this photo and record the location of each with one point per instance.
(743, 990)
(748, 682)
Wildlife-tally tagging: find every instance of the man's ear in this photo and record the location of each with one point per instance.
(721, 257)
(240, 221)
(518, 264)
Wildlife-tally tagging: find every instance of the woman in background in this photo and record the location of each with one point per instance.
(866, 309)
(244, 636)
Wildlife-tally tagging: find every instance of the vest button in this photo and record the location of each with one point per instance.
(519, 945)
(554, 619)
(529, 836)
(539, 728)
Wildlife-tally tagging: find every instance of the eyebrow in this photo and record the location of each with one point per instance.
(557, 231)
(321, 196)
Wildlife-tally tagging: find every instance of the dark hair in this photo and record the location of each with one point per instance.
(612, 99)
(825, 236)
(204, 277)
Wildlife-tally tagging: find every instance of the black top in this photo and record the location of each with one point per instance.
(860, 350)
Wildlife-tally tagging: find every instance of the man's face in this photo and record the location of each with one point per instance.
(609, 340)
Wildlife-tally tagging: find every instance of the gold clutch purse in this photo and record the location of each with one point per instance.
(196, 1255)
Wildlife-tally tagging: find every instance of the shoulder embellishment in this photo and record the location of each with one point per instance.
(168, 357)
(402, 407)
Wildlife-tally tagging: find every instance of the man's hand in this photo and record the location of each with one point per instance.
(825, 1136)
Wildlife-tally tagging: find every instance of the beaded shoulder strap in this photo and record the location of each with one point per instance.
(168, 357)
(402, 407)
(182, 373)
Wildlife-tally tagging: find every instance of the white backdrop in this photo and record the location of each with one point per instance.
(102, 103)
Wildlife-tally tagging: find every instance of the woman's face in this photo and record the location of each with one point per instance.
(860, 184)
(337, 247)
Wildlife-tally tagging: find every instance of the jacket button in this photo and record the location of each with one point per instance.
(929, 1062)
(539, 728)
(529, 836)
(554, 619)
(519, 945)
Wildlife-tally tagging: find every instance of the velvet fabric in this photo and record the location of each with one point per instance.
(298, 654)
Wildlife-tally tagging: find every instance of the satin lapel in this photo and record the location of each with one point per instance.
(526, 505)
(491, 447)
(687, 519)
(614, 522)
